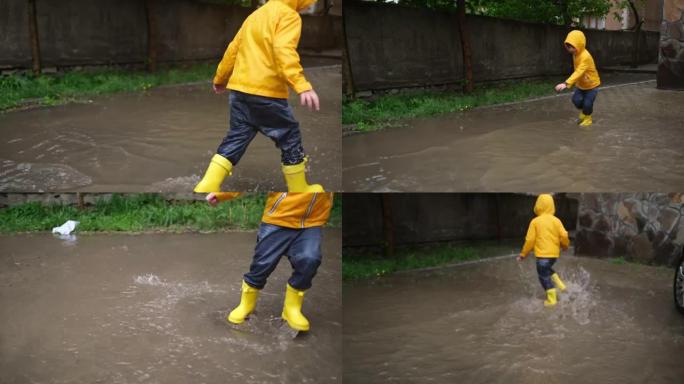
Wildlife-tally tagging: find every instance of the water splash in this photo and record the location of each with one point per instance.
(524, 278)
(148, 279)
(580, 297)
(577, 302)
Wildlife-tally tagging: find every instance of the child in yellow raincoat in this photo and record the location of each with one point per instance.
(258, 67)
(585, 76)
(546, 235)
(291, 225)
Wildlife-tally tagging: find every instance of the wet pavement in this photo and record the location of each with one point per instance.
(635, 143)
(485, 323)
(159, 140)
(151, 309)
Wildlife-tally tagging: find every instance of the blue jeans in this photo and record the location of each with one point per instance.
(302, 247)
(272, 117)
(545, 270)
(584, 99)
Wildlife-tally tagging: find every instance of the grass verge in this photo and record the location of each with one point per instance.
(368, 266)
(373, 114)
(618, 260)
(51, 89)
(368, 263)
(142, 213)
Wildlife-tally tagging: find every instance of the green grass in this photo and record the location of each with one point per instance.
(618, 261)
(384, 111)
(367, 263)
(141, 213)
(51, 89)
(335, 220)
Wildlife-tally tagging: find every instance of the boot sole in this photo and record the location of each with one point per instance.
(205, 189)
(296, 328)
(237, 321)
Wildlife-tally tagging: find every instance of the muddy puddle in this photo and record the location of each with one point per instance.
(151, 309)
(634, 144)
(159, 140)
(485, 323)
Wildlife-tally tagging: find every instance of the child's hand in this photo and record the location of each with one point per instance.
(561, 87)
(219, 88)
(310, 99)
(519, 258)
(212, 199)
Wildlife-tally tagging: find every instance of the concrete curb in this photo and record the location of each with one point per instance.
(453, 265)
(570, 251)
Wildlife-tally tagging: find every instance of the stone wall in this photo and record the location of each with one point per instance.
(437, 217)
(642, 227)
(105, 32)
(393, 46)
(671, 56)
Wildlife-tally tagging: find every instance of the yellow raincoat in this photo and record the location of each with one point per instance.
(546, 233)
(262, 59)
(585, 75)
(293, 209)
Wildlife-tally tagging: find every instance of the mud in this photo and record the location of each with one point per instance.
(159, 140)
(634, 144)
(485, 323)
(151, 309)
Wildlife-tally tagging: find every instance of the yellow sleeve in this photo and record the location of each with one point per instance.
(564, 239)
(530, 238)
(579, 71)
(225, 196)
(225, 67)
(285, 49)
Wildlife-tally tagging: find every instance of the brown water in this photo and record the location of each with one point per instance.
(485, 323)
(159, 140)
(635, 144)
(151, 309)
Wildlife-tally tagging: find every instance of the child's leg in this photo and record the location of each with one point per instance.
(241, 132)
(274, 118)
(272, 242)
(578, 98)
(305, 257)
(231, 149)
(544, 271)
(588, 102)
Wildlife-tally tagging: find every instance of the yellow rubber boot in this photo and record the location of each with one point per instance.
(292, 309)
(247, 303)
(586, 121)
(295, 177)
(581, 118)
(558, 282)
(551, 298)
(218, 169)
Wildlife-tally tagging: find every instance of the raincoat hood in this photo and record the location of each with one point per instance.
(544, 205)
(575, 38)
(546, 234)
(585, 74)
(298, 5)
